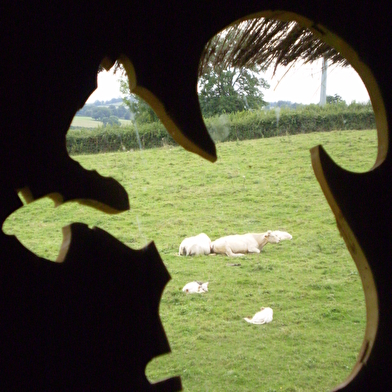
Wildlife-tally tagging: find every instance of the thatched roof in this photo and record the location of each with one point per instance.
(265, 42)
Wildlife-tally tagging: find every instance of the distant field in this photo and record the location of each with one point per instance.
(125, 122)
(311, 282)
(89, 122)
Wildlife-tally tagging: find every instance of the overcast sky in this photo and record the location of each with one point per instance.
(300, 84)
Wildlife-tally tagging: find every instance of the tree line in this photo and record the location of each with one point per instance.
(226, 91)
(222, 92)
(106, 114)
(231, 64)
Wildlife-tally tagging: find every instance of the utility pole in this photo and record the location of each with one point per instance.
(323, 88)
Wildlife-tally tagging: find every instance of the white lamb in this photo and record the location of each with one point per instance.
(282, 235)
(262, 317)
(197, 245)
(195, 287)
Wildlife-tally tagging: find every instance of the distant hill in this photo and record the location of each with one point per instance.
(112, 101)
(89, 122)
(284, 104)
(105, 109)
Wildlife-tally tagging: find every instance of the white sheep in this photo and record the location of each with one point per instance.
(282, 235)
(238, 245)
(195, 287)
(197, 245)
(262, 317)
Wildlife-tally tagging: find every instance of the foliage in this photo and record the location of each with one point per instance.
(281, 121)
(311, 282)
(111, 120)
(114, 138)
(100, 113)
(335, 99)
(285, 104)
(220, 91)
(105, 115)
(98, 110)
(232, 90)
(140, 111)
(235, 126)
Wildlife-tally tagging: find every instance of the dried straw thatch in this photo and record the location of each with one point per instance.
(262, 42)
(265, 42)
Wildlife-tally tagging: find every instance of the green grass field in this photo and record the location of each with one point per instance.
(311, 282)
(89, 122)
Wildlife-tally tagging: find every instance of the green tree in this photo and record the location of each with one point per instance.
(231, 90)
(113, 110)
(112, 120)
(99, 113)
(335, 99)
(141, 112)
(121, 111)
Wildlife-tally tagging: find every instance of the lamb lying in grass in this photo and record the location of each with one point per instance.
(195, 287)
(282, 235)
(238, 245)
(197, 245)
(262, 317)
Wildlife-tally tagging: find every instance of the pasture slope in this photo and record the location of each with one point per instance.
(89, 122)
(311, 282)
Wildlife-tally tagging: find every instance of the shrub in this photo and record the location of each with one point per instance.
(235, 126)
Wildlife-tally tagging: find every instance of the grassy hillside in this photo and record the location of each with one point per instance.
(310, 282)
(89, 122)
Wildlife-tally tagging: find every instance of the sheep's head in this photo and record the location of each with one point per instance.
(271, 237)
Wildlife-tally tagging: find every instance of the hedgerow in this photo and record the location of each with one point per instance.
(235, 126)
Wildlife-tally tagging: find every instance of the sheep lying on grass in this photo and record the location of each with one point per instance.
(195, 287)
(262, 317)
(197, 245)
(232, 245)
(238, 245)
(282, 235)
